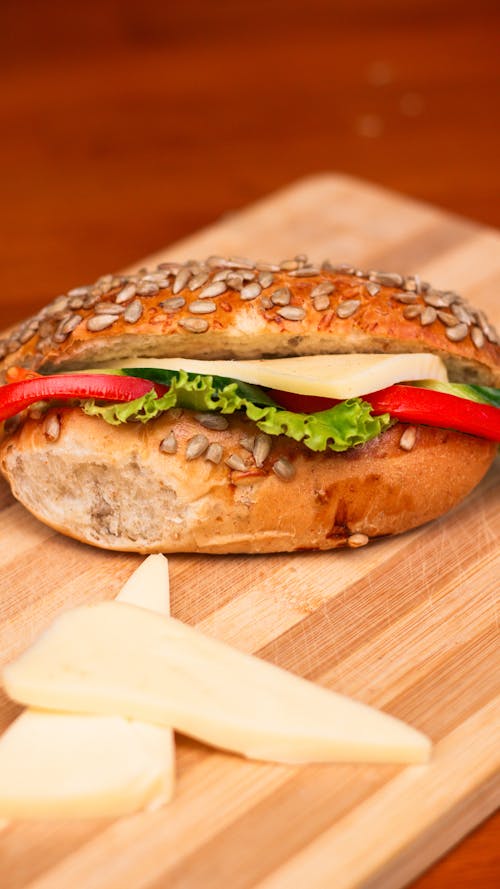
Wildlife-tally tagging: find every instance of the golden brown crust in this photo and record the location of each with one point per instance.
(237, 309)
(119, 488)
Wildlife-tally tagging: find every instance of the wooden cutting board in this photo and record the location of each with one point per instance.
(406, 624)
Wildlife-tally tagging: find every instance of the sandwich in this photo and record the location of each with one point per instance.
(232, 406)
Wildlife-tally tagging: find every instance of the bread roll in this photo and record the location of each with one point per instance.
(178, 484)
(118, 488)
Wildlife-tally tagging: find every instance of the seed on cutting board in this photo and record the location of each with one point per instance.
(168, 445)
(428, 316)
(196, 446)
(212, 421)
(100, 322)
(133, 312)
(348, 307)
(284, 469)
(356, 540)
(292, 313)
(52, 428)
(458, 333)
(214, 452)
(408, 438)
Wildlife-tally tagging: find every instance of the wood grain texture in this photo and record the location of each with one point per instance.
(407, 624)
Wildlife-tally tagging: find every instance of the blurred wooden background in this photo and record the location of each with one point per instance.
(126, 125)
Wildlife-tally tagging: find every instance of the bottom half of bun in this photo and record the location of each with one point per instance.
(159, 487)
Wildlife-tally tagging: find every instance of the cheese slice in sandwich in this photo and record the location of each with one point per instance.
(73, 765)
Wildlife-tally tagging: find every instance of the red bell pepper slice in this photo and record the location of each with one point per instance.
(412, 404)
(15, 397)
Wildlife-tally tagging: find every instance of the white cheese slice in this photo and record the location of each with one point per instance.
(61, 765)
(114, 659)
(328, 376)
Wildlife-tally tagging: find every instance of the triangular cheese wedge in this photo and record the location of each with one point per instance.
(56, 764)
(114, 659)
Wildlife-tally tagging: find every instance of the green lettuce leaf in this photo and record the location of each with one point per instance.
(341, 427)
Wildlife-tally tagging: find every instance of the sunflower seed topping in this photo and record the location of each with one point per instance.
(356, 540)
(212, 420)
(347, 308)
(281, 297)
(428, 316)
(458, 333)
(265, 279)
(214, 452)
(406, 298)
(250, 291)
(321, 303)
(248, 442)
(168, 445)
(284, 469)
(292, 313)
(52, 427)
(198, 280)
(234, 461)
(461, 313)
(194, 325)
(411, 312)
(173, 304)
(437, 299)
(235, 282)
(387, 279)
(181, 279)
(408, 438)
(202, 307)
(261, 449)
(323, 289)
(289, 265)
(372, 288)
(133, 312)
(196, 446)
(100, 322)
(148, 288)
(305, 272)
(477, 337)
(447, 318)
(126, 293)
(66, 327)
(215, 289)
(106, 308)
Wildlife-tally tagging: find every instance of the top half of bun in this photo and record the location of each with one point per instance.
(235, 308)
